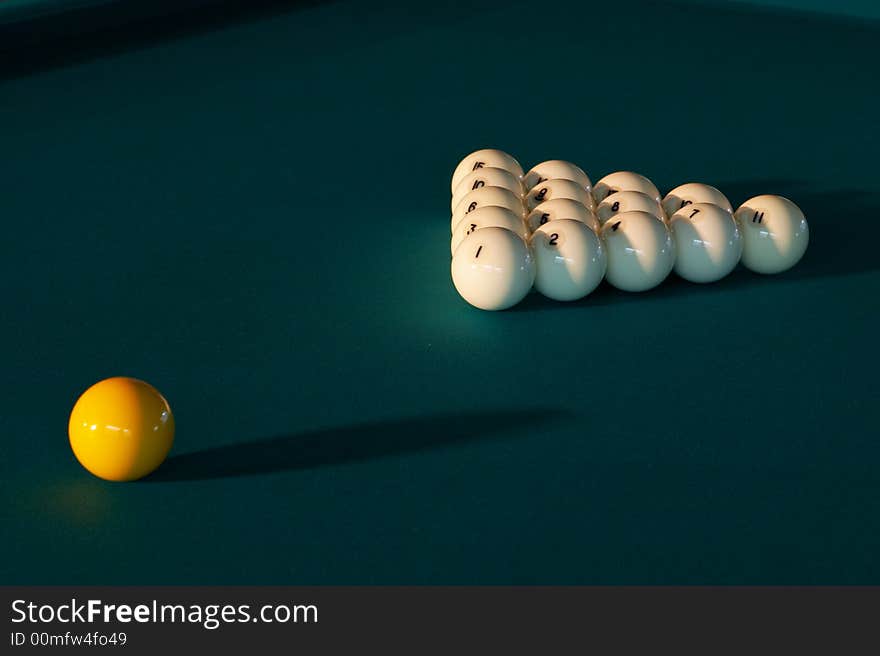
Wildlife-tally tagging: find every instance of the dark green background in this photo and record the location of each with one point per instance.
(254, 218)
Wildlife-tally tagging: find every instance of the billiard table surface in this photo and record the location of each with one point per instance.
(254, 218)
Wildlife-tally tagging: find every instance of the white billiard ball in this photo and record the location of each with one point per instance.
(484, 197)
(624, 181)
(557, 188)
(628, 201)
(556, 169)
(775, 233)
(486, 177)
(694, 192)
(486, 217)
(561, 208)
(569, 259)
(485, 157)
(708, 242)
(493, 269)
(639, 249)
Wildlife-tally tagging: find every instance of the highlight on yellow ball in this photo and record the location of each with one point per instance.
(121, 429)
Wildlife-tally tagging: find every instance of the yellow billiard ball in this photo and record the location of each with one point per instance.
(121, 429)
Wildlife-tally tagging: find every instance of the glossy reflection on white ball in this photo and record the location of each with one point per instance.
(708, 243)
(487, 197)
(487, 217)
(486, 177)
(493, 269)
(556, 169)
(624, 181)
(694, 192)
(639, 249)
(557, 188)
(628, 201)
(485, 157)
(561, 208)
(569, 259)
(775, 233)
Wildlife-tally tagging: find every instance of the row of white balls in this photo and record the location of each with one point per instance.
(551, 229)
